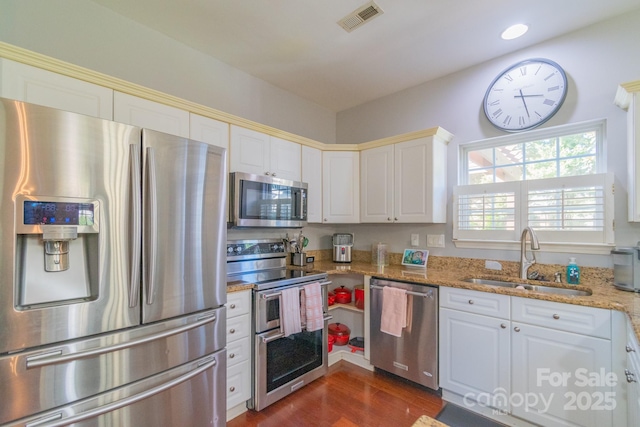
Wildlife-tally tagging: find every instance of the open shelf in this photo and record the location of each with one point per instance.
(351, 307)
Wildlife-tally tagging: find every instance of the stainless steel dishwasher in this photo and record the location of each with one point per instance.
(414, 355)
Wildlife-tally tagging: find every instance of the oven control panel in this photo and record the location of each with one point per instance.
(248, 249)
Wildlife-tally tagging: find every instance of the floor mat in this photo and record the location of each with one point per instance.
(456, 416)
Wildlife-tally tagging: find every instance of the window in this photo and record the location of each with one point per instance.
(549, 180)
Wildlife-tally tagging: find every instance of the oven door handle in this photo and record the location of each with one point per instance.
(267, 337)
(277, 294)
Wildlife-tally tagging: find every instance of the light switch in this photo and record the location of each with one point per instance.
(415, 240)
(435, 240)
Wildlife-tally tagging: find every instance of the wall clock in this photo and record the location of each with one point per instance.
(525, 95)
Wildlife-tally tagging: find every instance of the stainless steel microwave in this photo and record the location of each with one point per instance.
(265, 201)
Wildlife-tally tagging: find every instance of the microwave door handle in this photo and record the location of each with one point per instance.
(135, 238)
(299, 200)
(152, 224)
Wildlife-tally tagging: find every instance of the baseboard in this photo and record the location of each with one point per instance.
(236, 411)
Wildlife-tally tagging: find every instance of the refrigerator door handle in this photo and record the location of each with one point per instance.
(100, 410)
(152, 225)
(53, 357)
(134, 238)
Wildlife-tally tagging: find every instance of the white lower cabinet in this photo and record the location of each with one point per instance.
(238, 352)
(543, 362)
(472, 341)
(632, 378)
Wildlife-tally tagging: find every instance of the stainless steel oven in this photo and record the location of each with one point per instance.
(266, 201)
(281, 364)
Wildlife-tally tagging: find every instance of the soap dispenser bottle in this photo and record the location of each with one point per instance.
(573, 272)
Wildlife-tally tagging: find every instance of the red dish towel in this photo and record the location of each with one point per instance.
(290, 311)
(311, 307)
(394, 311)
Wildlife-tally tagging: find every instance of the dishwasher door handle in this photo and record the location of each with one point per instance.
(428, 294)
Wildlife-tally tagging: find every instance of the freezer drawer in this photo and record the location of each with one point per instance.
(54, 376)
(414, 355)
(192, 394)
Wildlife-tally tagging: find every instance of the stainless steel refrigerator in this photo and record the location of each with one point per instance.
(112, 274)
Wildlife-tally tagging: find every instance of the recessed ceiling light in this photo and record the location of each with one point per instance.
(514, 31)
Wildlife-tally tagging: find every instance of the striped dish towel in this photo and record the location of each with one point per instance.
(311, 307)
(290, 311)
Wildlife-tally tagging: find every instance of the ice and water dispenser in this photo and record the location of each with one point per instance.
(57, 251)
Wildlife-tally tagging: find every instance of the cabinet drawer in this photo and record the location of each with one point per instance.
(238, 351)
(238, 384)
(475, 302)
(238, 303)
(238, 327)
(578, 319)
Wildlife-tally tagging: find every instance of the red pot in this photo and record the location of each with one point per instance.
(340, 333)
(359, 296)
(331, 298)
(331, 339)
(343, 295)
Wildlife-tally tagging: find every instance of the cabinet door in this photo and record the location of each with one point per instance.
(147, 114)
(551, 371)
(376, 184)
(285, 159)
(474, 357)
(340, 187)
(30, 84)
(420, 181)
(208, 130)
(249, 151)
(633, 160)
(312, 175)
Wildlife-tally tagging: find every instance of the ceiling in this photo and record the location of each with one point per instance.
(298, 46)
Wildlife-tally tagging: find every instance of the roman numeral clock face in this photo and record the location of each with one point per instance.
(525, 95)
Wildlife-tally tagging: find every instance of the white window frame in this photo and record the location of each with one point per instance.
(584, 242)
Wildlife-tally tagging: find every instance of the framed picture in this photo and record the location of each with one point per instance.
(415, 258)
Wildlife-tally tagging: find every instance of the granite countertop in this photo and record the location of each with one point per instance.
(451, 271)
(604, 295)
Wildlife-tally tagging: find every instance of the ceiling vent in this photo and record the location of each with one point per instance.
(359, 16)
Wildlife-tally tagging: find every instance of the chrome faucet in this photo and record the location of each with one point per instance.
(525, 262)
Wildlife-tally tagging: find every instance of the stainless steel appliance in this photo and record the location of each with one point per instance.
(266, 201)
(112, 279)
(281, 365)
(626, 268)
(414, 355)
(342, 246)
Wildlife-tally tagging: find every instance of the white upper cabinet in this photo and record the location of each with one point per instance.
(208, 130)
(312, 175)
(37, 86)
(376, 184)
(141, 112)
(629, 100)
(285, 159)
(340, 187)
(258, 153)
(405, 182)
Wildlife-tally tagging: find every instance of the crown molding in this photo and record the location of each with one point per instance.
(625, 92)
(49, 63)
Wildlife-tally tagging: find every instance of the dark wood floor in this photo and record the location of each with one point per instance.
(349, 396)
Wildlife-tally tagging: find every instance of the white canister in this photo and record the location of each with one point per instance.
(379, 254)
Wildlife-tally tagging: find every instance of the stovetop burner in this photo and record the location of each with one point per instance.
(263, 263)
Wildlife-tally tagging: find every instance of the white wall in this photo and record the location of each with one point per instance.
(86, 34)
(596, 60)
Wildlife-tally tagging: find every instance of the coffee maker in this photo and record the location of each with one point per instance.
(342, 246)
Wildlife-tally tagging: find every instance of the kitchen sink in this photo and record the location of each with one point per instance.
(528, 287)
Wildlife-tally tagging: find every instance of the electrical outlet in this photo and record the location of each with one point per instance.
(435, 240)
(415, 240)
